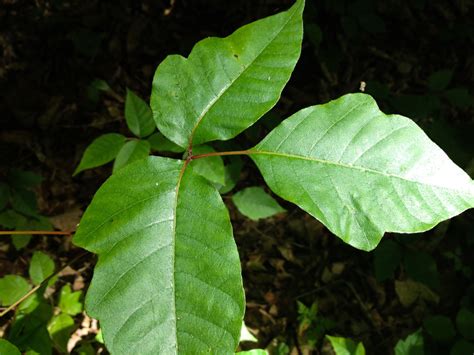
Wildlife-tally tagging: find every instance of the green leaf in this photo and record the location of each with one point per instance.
(255, 203)
(440, 80)
(69, 302)
(345, 346)
(23, 179)
(232, 174)
(138, 115)
(130, 152)
(227, 84)
(211, 168)
(29, 331)
(459, 97)
(41, 266)
(160, 143)
(361, 172)
(4, 195)
(387, 257)
(440, 328)
(465, 323)
(412, 345)
(462, 347)
(20, 241)
(253, 352)
(24, 201)
(11, 219)
(168, 278)
(12, 288)
(101, 151)
(421, 266)
(60, 328)
(8, 348)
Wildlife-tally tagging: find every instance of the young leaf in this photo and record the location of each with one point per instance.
(168, 277)
(60, 328)
(12, 288)
(361, 172)
(255, 203)
(227, 84)
(138, 115)
(8, 348)
(69, 302)
(211, 168)
(130, 152)
(101, 151)
(160, 143)
(412, 345)
(345, 346)
(41, 266)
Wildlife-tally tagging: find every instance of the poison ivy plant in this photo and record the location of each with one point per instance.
(168, 277)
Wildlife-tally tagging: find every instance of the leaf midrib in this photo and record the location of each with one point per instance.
(352, 167)
(225, 88)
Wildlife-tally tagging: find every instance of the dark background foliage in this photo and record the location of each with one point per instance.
(414, 57)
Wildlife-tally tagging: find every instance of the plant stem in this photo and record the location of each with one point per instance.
(36, 232)
(218, 154)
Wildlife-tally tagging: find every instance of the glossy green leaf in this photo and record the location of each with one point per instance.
(160, 143)
(387, 257)
(70, 302)
(101, 151)
(465, 323)
(440, 328)
(361, 172)
(413, 344)
(211, 168)
(138, 115)
(60, 329)
(255, 203)
(166, 251)
(8, 348)
(227, 84)
(345, 346)
(12, 288)
(130, 152)
(41, 266)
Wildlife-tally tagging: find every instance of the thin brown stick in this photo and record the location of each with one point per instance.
(36, 232)
(34, 289)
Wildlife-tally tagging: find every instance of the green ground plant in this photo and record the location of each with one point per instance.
(168, 278)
